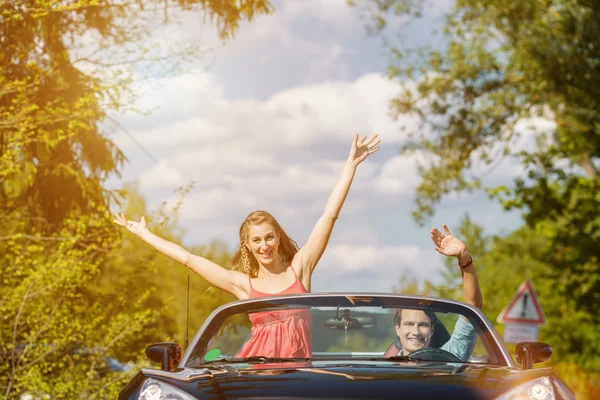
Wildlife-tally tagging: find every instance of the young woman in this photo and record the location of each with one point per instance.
(272, 264)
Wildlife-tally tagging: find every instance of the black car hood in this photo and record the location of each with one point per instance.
(346, 380)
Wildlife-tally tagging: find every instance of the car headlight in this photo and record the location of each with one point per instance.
(156, 390)
(537, 389)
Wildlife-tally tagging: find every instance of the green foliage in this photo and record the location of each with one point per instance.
(74, 297)
(53, 331)
(63, 65)
(73, 290)
(501, 64)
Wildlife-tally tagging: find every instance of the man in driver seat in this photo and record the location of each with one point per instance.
(418, 329)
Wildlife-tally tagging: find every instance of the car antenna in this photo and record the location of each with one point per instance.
(187, 312)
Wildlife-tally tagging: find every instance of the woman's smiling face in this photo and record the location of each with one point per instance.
(263, 242)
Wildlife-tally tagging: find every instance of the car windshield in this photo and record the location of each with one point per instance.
(368, 328)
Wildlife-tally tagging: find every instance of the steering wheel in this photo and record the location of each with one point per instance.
(434, 354)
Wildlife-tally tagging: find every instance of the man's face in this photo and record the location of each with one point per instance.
(415, 330)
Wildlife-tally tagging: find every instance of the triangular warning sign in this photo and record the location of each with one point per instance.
(524, 308)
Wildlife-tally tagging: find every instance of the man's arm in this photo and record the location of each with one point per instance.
(471, 290)
(451, 246)
(463, 339)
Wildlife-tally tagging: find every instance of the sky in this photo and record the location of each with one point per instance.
(265, 121)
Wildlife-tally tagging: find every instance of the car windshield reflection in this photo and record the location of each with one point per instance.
(309, 329)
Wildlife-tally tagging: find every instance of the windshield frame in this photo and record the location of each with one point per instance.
(215, 320)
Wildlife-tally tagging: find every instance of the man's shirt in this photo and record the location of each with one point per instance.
(462, 341)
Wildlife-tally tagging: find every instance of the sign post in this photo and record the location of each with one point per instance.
(522, 316)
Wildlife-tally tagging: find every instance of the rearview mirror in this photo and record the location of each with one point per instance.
(347, 321)
(529, 353)
(167, 354)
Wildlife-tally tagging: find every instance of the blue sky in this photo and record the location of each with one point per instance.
(265, 121)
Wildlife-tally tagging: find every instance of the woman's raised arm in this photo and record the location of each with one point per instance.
(233, 282)
(310, 254)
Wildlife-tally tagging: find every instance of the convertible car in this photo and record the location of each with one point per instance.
(351, 345)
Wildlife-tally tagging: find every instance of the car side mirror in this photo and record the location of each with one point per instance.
(167, 354)
(529, 353)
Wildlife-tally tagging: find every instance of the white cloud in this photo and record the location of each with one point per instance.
(285, 156)
(215, 203)
(195, 113)
(300, 40)
(322, 68)
(266, 39)
(278, 29)
(371, 267)
(340, 108)
(354, 258)
(291, 191)
(333, 12)
(529, 129)
(211, 164)
(399, 175)
(504, 169)
(284, 153)
(162, 176)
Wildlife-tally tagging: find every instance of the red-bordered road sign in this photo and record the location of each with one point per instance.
(524, 307)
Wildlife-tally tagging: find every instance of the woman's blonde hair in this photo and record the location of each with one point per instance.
(243, 259)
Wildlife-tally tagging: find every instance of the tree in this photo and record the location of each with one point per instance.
(501, 65)
(54, 337)
(85, 296)
(63, 66)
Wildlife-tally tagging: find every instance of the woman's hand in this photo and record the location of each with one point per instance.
(362, 148)
(449, 245)
(132, 226)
